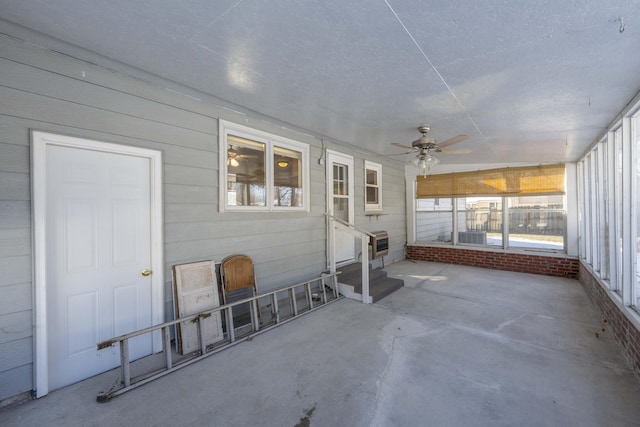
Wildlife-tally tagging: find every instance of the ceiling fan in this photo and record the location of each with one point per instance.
(423, 147)
(234, 156)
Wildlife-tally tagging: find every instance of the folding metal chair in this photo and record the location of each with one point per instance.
(239, 280)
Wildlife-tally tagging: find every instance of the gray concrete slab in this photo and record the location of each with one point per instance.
(457, 346)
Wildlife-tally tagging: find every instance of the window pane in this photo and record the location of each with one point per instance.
(372, 195)
(245, 172)
(636, 139)
(603, 211)
(482, 221)
(595, 198)
(618, 208)
(372, 177)
(434, 221)
(536, 222)
(581, 208)
(341, 208)
(287, 177)
(372, 186)
(587, 209)
(340, 184)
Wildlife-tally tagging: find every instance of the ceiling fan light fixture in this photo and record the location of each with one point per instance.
(431, 161)
(425, 162)
(233, 162)
(283, 163)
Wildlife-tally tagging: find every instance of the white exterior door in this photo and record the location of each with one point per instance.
(340, 177)
(97, 243)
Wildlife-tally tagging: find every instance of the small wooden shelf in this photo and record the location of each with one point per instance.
(374, 215)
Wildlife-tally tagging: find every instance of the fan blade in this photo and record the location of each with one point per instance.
(453, 140)
(457, 151)
(399, 154)
(397, 144)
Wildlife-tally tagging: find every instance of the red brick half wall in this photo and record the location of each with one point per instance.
(519, 262)
(624, 329)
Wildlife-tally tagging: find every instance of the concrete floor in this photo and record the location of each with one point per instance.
(458, 346)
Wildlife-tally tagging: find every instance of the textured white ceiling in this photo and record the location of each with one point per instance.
(527, 81)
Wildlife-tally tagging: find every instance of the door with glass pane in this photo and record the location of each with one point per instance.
(340, 202)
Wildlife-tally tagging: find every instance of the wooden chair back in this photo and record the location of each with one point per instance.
(236, 272)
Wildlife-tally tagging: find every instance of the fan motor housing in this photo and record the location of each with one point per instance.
(424, 143)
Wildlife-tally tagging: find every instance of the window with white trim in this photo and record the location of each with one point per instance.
(521, 208)
(372, 186)
(260, 171)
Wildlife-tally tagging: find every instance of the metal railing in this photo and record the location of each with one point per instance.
(363, 235)
(314, 300)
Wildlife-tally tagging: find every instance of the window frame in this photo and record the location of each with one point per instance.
(270, 140)
(377, 168)
(634, 139)
(458, 218)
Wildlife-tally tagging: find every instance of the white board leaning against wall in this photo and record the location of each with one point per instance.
(196, 290)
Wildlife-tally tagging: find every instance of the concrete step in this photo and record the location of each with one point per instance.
(354, 276)
(381, 287)
(379, 284)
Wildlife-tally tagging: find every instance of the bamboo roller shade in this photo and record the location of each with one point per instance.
(517, 181)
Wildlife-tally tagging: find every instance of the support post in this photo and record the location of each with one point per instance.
(364, 247)
(332, 246)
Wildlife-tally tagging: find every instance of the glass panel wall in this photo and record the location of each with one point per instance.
(595, 235)
(635, 126)
(617, 137)
(609, 210)
(537, 222)
(581, 210)
(483, 221)
(587, 209)
(603, 210)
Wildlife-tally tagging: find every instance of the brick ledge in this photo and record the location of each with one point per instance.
(547, 264)
(624, 324)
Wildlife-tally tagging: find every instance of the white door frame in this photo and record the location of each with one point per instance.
(39, 143)
(331, 158)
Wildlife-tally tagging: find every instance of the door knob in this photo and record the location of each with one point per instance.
(146, 272)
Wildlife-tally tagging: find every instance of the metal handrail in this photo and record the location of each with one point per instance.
(364, 248)
(349, 225)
